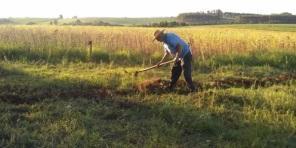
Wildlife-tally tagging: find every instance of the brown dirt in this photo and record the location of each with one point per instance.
(155, 85)
(152, 85)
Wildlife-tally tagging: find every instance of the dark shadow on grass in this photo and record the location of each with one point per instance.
(19, 87)
(136, 122)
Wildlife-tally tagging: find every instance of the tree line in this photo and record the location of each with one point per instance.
(219, 17)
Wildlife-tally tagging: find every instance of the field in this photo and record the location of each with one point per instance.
(56, 92)
(111, 20)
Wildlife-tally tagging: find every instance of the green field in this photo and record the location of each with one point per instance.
(115, 21)
(270, 27)
(54, 93)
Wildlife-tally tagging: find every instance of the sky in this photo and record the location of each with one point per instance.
(137, 8)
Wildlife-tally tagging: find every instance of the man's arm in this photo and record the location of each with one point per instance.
(178, 53)
(164, 56)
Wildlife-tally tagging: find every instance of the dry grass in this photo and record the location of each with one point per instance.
(247, 97)
(204, 41)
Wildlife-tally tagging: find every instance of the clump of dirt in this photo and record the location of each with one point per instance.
(152, 85)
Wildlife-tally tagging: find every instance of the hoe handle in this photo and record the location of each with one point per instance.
(155, 66)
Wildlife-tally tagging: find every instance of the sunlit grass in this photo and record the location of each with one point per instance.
(51, 43)
(53, 95)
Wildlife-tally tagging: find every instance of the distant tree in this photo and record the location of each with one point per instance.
(55, 22)
(219, 13)
(61, 16)
(286, 13)
(78, 22)
(163, 24)
(211, 17)
(31, 23)
(6, 21)
(74, 17)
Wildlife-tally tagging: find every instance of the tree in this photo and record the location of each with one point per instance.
(286, 13)
(78, 22)
(61, 16)
(55, 22)
(219, 13)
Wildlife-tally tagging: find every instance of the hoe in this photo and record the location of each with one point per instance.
(152, 67)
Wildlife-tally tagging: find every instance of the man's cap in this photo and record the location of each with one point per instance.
(157, 33)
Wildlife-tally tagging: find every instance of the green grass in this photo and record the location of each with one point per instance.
(67, 99)
(111, 20)
(26, 20)
(64, 105)
(269, 27)
(130, 21)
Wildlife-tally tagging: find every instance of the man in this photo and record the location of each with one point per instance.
(175, 46)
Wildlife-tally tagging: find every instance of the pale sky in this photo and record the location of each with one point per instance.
(136, 8)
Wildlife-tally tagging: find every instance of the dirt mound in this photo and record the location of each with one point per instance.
(152, 85)
(158, 85)
(252, 82)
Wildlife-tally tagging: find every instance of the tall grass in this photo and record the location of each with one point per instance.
(78, 104)
(53, 43)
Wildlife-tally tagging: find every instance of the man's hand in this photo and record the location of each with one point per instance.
(176, 60)
(178, 53)
(158, 64)
(162, 59)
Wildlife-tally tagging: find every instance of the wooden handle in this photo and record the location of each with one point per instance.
(152, 67)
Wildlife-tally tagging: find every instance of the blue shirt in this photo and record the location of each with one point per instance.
(171, 41)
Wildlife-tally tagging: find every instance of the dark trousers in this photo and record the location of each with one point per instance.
(177, 70)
